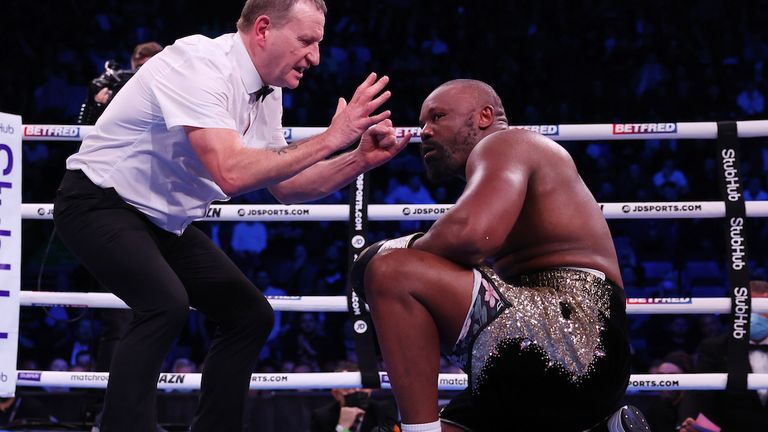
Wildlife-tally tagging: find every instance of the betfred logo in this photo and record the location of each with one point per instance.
(401, 131)
(643, 128)
(52, 131)
(549, 130)
(660, 300)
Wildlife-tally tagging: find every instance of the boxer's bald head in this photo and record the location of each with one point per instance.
(475, 94)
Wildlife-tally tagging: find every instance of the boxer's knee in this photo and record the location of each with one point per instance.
(389, 272)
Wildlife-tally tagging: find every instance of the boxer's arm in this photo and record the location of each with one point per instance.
(478, 225)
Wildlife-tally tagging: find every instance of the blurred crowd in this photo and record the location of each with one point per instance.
(552, 62)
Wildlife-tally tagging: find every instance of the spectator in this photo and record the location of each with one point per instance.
(331, 274)
(733, 412)
(710, 326)
(83, 343)
(755, 191)
(249, 239)
(103, 89)
(678, 331)
(750, 100)
(57, 365)
(306, 342)
(353, 409)
(183, 366)
(672, 178)
(299, 273)
(663, 413)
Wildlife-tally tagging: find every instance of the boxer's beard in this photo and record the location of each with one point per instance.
(449, 161)
(435, 173)
(439, 166)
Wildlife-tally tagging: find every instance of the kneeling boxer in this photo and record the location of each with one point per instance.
(518, 283)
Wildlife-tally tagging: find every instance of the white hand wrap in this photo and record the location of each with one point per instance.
(403, 242)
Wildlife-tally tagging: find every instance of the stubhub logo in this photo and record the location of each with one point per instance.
(643, 128)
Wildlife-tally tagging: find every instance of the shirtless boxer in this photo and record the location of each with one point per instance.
(518, 284)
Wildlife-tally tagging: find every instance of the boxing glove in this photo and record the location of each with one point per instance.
(357, 274)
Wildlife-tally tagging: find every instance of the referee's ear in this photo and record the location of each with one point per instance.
(260, 30)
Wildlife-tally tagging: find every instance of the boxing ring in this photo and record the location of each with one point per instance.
(11, 297)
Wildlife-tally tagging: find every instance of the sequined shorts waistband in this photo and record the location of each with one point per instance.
(560, 278)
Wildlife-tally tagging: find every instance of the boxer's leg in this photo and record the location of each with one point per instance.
(417, 301)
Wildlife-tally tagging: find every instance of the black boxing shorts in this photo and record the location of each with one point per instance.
(549, 349)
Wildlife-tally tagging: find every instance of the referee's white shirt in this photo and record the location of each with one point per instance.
(138, 146)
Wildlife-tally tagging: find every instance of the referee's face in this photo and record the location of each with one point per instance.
(295, 46)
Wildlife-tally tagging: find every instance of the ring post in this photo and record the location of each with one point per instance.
(362, 323)
(10, 249)
(738, 272)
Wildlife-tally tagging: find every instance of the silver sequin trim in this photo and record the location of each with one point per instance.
(535, 318)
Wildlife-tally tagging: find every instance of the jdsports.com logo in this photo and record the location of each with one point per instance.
(360, 326)
(358, 241)
(407, 211)
(241, 212)
(661, 208)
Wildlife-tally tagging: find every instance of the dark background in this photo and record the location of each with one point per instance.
(552, 62)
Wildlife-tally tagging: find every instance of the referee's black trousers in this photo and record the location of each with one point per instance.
(160, 275)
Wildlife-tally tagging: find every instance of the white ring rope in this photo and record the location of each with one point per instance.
(558, 132)
(397, 212)
(635, 306)
(319, 380)
(380, 212)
